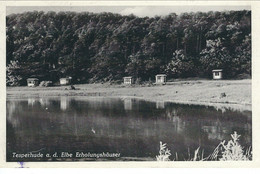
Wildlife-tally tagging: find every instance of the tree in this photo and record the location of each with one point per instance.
(242, 60)
(107, 46)
(215, 56)
(13, 78)
(181, 65)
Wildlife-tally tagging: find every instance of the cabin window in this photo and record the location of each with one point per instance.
(216, 73)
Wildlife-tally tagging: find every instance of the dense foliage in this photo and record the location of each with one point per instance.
(106, 46)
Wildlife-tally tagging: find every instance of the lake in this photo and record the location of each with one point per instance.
(130, 129)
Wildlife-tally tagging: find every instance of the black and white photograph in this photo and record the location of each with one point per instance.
(128, 83)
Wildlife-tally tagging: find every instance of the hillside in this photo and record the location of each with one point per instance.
(105, 47)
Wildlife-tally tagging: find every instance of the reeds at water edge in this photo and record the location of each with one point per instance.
(230, 151)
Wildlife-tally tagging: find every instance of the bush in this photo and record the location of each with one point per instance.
(164, 153)
(46, 83)
(232, 151)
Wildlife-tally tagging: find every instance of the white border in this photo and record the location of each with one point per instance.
(255, 6)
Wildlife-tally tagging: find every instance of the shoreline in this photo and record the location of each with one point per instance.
(231, 94)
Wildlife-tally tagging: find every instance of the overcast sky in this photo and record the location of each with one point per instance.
(126, 10)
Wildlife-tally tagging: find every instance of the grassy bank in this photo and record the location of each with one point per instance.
(235, 94)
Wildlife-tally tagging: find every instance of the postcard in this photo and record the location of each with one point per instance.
(129, 84)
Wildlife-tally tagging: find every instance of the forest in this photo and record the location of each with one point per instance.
(105, 47)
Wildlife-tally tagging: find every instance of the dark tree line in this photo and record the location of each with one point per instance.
(105, 47)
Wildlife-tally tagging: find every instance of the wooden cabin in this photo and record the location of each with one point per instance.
(65, 81)
(128, 80)
(32, 82)
(160, 78)
(217, 74)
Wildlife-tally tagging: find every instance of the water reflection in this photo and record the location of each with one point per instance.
(129, 126)
(64, 103)
(31, 101)
(44, 102)
(160, 105)
(128, 104)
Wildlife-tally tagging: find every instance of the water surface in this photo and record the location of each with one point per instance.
(130, 127)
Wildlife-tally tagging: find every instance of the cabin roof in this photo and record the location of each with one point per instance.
(64, 78)
(128, 77)
(30, 79)
(161, 75)
(217, 70)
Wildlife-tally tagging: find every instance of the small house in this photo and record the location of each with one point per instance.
(65, 81)
(32, 82)
(160, 78)
(128, 80)
(217, 74)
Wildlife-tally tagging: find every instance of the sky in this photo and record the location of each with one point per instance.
(140, 11)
